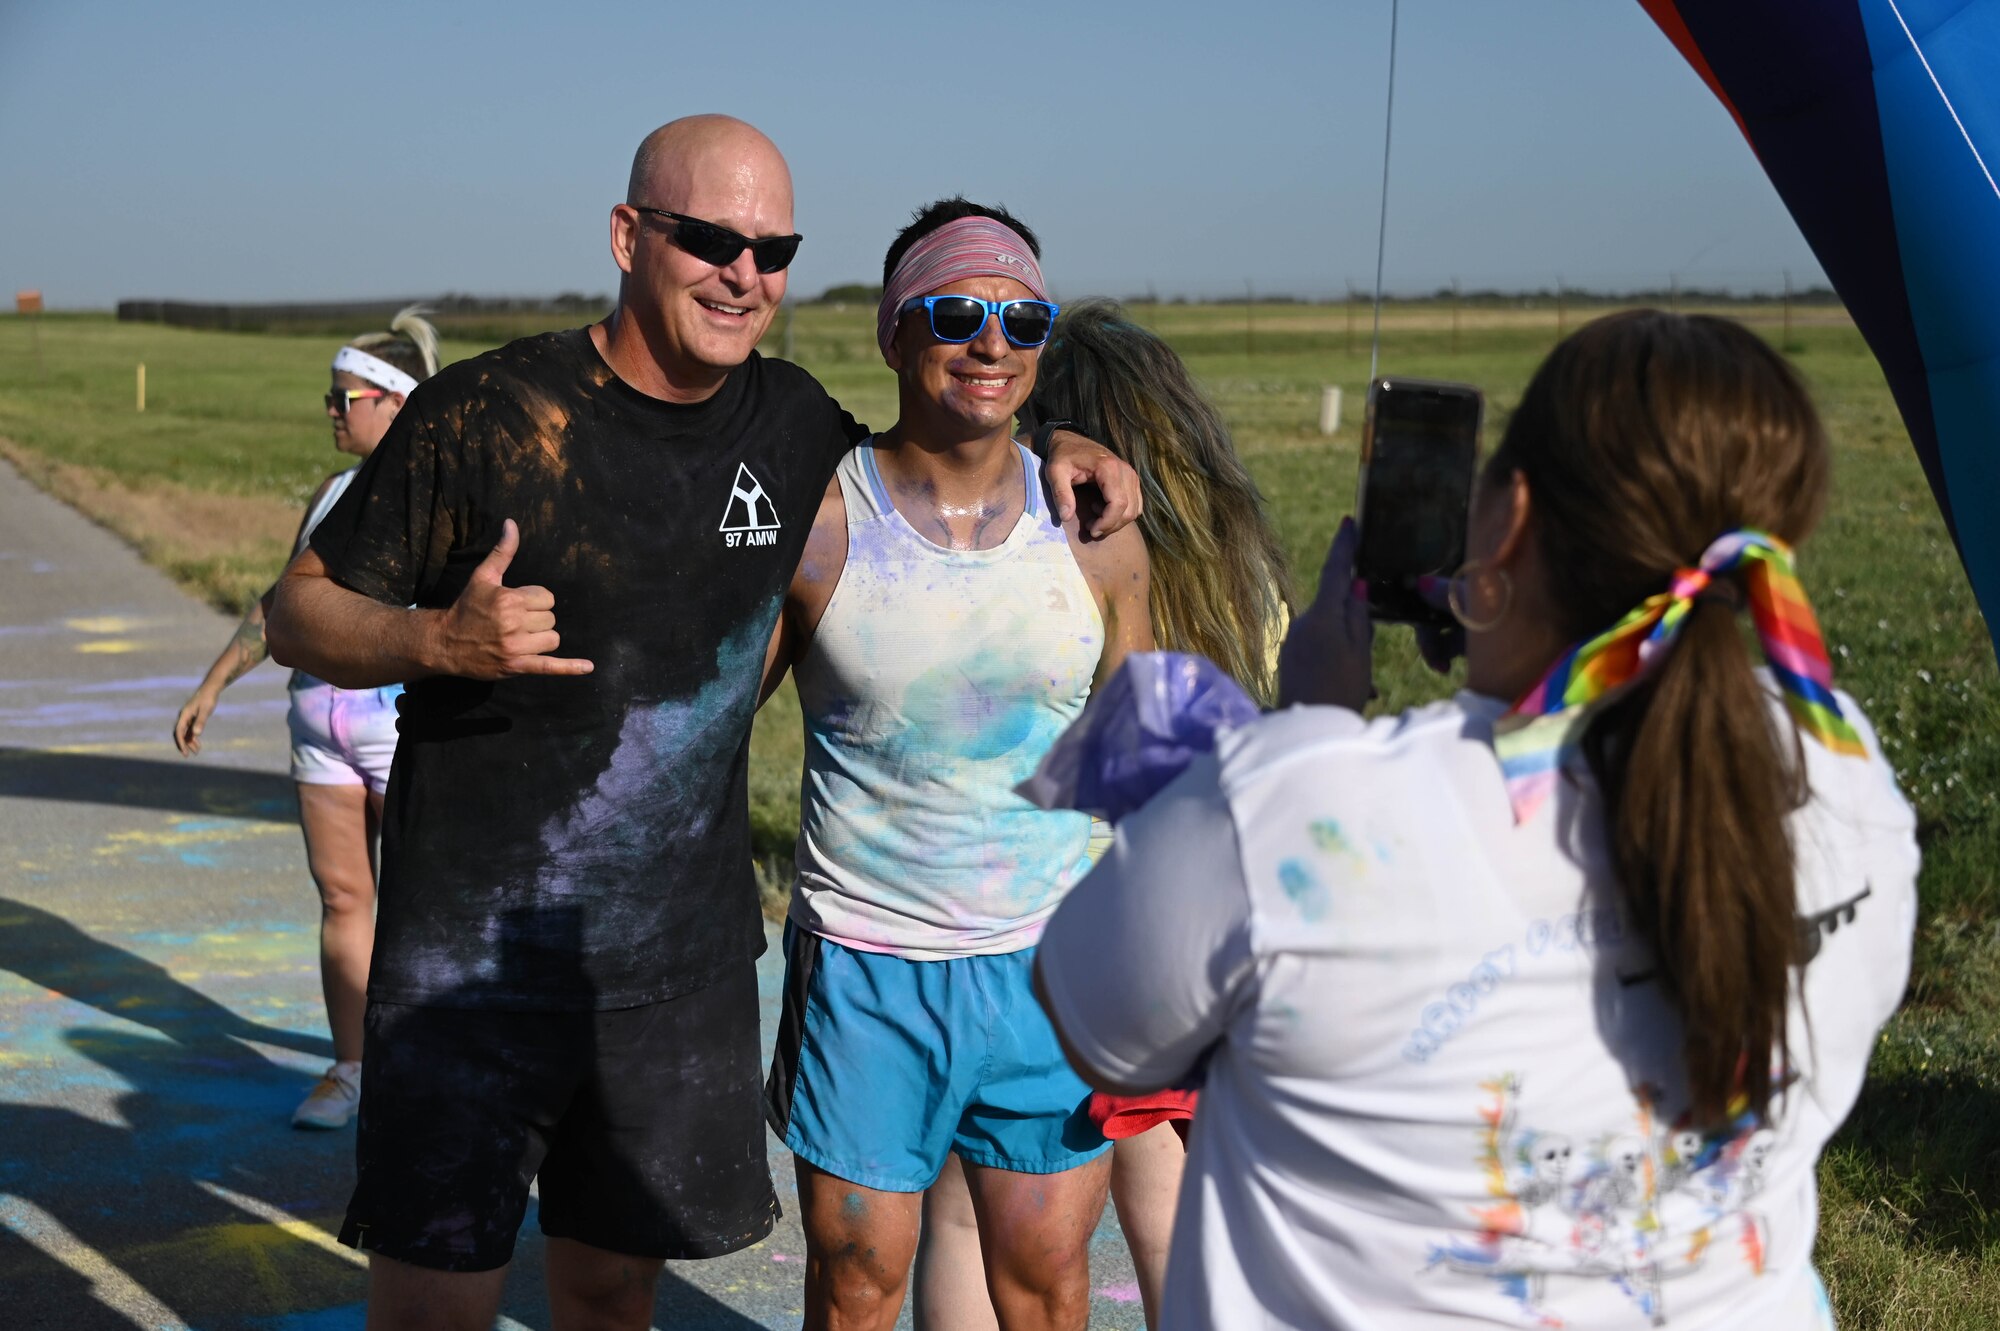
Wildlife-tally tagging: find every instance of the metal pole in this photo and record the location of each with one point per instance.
(1382, 223)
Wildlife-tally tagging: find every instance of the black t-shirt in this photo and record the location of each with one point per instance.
(572, 843)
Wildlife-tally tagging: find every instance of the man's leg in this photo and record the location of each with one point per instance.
(862, 1088)
(659, 1155)
(402, 1297)
(594, 1290)
(1035, 1230)
(456, 1105)
(1038, 1168)
(859, 1242)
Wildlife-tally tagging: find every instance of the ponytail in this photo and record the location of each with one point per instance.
(410, 322)
(411, 344)
(1644, 438)
(1697, 786)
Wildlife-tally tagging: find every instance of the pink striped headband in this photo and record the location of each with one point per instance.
(969, 247)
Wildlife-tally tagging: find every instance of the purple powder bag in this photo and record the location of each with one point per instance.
(1138, 733)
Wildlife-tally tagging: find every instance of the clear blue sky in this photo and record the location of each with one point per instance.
(331, 151)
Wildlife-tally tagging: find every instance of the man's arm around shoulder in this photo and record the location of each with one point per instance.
(353, 641)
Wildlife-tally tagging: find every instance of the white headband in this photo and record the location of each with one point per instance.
(374, 369)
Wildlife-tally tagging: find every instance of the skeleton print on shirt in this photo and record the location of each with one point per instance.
(1636, 1208)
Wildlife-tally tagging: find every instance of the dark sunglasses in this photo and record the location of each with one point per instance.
(1025, 323)
(720, 246)
(340, 399)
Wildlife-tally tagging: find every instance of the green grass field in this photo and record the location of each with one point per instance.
(1907, 1239)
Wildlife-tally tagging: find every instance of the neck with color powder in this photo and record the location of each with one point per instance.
(963, 496)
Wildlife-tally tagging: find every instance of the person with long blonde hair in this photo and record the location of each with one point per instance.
(342, 739)
(1220, 589)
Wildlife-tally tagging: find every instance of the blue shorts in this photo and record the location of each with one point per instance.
(885, 1066)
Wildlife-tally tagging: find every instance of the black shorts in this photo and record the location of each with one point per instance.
(644, 1126)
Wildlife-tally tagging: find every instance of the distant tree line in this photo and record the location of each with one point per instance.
(861, 293)
(507, 315)
(1493, 296)
(288, 316)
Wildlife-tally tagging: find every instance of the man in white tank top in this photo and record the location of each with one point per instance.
(944, 631)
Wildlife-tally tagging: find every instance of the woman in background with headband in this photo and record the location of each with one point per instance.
(1536, 1006)
(342, 739)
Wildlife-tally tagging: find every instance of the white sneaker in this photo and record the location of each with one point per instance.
(333, 1101)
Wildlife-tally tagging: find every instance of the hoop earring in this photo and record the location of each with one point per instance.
(1459, 591)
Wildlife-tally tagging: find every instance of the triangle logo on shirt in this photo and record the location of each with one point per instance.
(749, 508)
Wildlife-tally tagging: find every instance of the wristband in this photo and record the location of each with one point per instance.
(1044, 432)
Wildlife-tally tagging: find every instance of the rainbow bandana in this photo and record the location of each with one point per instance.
(1538, 733)
(968, 247)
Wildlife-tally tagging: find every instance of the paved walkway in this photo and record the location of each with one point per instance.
(160, 1011)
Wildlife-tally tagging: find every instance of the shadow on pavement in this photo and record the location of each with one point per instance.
(172, 1191)
(51, 952)
(47, 950)
(170, 1180)
(682, 1305)
(185, 1183)
(146, 783)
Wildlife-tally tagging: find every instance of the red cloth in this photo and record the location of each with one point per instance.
(1119, 1116)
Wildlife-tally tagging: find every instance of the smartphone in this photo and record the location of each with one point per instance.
(1419, 448)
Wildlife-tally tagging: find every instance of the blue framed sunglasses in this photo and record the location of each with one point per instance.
(1025, 323)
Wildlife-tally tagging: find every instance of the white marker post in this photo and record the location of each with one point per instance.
(1329, 409)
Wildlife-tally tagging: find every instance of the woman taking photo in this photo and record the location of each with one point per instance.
(1220, 589)
(1534, 1014)
(342, 739)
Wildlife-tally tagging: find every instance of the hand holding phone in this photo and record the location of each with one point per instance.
(1419, 449)
(1328, 653)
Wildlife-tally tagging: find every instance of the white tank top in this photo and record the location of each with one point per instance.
(935, 682)
(336, 487)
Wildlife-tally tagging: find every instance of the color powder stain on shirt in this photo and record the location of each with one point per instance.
(934, 683)
(1328, 835)
(645, 806)
(1306, 892)
(655, 744)
(973, 708)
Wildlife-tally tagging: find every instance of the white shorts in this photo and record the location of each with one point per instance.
(343, 737)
